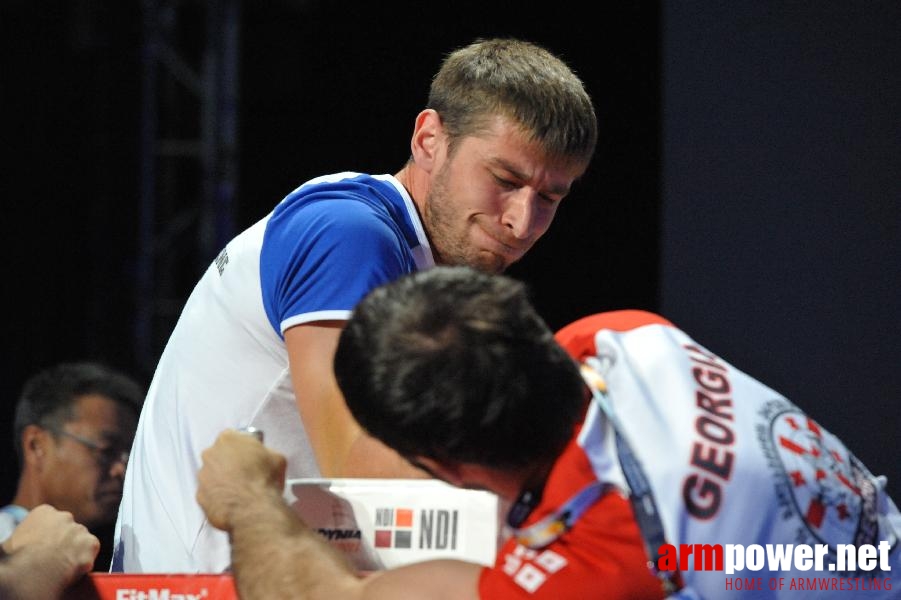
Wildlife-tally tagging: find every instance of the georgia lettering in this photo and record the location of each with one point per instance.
(712, 457)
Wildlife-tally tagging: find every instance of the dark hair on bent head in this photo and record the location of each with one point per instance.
(452, 363)
(48, 397)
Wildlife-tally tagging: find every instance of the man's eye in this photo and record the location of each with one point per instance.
(548, 199)
(504, 183)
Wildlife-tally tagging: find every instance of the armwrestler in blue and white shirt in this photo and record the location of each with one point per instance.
(508, 130)
(227, 363)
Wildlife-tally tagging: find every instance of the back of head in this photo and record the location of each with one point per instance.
(48, 397)
(523, 82)
(452, 363)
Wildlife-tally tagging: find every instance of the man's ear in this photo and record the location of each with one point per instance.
(444, 470)
(429, 143)
(35, 441)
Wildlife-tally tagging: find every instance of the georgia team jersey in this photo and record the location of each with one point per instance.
(729, 461)
(226, 364)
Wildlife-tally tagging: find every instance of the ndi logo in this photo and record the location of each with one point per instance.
(437, 528)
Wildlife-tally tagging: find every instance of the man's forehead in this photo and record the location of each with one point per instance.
(101, 411)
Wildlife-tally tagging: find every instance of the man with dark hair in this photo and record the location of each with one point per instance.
(74, 425)
(476, 357)
(620, 455)
(507, 131)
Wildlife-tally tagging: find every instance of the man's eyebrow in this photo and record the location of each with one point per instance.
(112, 437)
(506, 166)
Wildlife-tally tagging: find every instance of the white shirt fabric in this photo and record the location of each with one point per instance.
(729, 460)
(226, 363)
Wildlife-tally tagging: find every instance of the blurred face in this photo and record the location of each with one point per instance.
(492, 200)
(84, 470)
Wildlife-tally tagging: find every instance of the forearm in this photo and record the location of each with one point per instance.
(32, 574)
(342, 448)
(367, 457)
(275, 555)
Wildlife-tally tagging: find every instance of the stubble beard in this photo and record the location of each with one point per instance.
(451, 247)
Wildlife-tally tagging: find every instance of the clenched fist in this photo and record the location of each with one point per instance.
(236, 470)
(46, 553)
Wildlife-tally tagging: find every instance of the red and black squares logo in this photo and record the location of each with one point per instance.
(399, 528)
(394, 528)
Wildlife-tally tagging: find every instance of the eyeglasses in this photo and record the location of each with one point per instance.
(105, 456)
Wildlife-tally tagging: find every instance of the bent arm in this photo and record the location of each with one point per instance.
(275, 555)
(341, 446)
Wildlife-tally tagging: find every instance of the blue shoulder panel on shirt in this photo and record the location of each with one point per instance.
(328, 244)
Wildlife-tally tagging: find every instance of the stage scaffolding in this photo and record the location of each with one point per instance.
(188, 156)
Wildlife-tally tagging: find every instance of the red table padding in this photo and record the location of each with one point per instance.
(147, 586)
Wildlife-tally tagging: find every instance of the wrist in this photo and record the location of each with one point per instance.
(252, 507)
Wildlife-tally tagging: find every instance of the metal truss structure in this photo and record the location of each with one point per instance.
(188, 156)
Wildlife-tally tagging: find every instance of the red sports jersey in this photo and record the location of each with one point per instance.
(729, 461)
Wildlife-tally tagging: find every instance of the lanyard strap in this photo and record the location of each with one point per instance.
(640, 495)
(557, 523)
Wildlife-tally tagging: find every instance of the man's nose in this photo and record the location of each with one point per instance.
(519, 213)
(118, 466)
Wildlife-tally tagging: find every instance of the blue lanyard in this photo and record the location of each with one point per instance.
(545, 531)
(641, 497)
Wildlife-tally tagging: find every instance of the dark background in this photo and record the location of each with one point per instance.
(746, 183)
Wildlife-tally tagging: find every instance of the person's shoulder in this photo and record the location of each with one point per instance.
(615, 320)
(578, 336)
(346, 184)
(337, 197)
